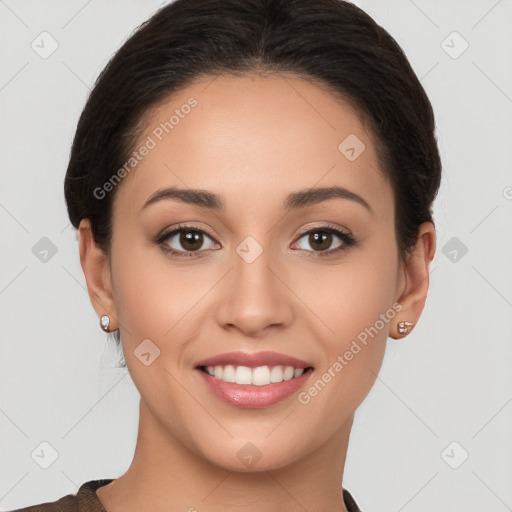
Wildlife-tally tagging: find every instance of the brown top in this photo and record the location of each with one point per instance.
(86, 500)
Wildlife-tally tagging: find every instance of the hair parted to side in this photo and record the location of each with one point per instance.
(330, 42)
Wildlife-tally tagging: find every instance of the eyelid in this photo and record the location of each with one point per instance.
(325, 226)
(179, 227)
(343, 234)
(169, 232)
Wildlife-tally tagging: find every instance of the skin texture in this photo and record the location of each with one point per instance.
(251, 139)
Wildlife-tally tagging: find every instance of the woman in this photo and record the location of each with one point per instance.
(252, 184)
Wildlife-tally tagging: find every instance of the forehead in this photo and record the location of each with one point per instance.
(253, 139)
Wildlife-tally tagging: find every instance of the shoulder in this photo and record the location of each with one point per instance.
(85, 500)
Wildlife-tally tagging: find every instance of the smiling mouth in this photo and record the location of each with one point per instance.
(258, 376)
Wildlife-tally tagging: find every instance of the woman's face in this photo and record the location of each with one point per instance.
(257, 268)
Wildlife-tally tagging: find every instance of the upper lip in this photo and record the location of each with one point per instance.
(253, 360)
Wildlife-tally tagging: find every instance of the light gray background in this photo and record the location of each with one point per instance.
(451, 380)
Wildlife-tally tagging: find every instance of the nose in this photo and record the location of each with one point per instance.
(254, 295)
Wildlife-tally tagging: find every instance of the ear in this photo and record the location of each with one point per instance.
(415, 273)
(96, 268)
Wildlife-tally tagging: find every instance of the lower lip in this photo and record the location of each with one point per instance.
(250, 396)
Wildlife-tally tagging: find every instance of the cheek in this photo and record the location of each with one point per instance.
(360, 318)
(164, 303)
(156, 299)
(347, 298)
(151, 295)
(356, 312)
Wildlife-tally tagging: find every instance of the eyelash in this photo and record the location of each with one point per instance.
(348, 240)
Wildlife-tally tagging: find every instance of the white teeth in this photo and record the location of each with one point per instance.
(229, 373)
(243, 375)
(288, 373)
(259, 376)
(276, 374)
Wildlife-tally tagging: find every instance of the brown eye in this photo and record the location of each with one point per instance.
(191, 240)
(320, 240)
(185, 241)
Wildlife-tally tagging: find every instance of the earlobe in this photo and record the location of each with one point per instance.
(95, 265)
(416, 273)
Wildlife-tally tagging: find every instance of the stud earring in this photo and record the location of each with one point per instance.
(105, 322)
(404, 327)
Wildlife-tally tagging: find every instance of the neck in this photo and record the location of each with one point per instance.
(165, 474)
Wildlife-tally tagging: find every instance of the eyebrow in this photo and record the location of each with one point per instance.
(294, 200)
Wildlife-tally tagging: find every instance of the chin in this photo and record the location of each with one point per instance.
(253, 456)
